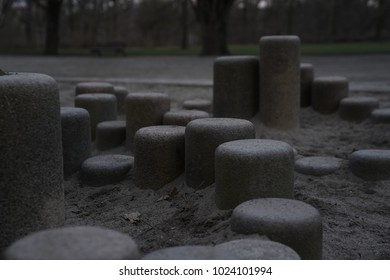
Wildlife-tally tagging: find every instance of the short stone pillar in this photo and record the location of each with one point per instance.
(253, 168)
(380, 116)
(94, 87)
(158, 155)
(74, 243)
(280, 81)
(183, 117)
(100, 106)
(144, 109)
(290, 222)
(110, 134)
(327, 93)
(76, 138)
(203, 136)
(236, 87)
(31, 167)
(198, 104)
(307, 76)
(317, 165)
(121, 93)
(371, 164)
(357, 109)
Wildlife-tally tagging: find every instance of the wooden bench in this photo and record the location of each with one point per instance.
(116, 47)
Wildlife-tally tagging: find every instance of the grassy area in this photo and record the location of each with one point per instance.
(306, 49)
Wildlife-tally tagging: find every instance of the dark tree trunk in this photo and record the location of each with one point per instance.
(212, 16)
(53, 11)
(380, 20)
(184, 25)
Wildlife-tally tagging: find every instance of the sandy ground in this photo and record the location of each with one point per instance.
(355, 212)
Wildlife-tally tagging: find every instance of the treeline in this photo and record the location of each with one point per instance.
(152, 23)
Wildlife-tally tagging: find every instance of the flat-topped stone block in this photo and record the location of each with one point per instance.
(371, 164)
(94, 87)
(380, 115)
(191, 252)
(183, 117)
(144, 109)
(307, 76)
(357, 109)
(76, 138)
(317, 166)
(74, 243)
(290, 222)
(158, 155)
(121, 93)
(203, 136)
(110, 134)
(257, 249)
(198, 104)
(105, 169)
(31, 163)
(253, 168)
(236, 87)
(280, 81)
(100, 106)
(327, 93)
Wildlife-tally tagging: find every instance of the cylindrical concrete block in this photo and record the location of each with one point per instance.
(280, 81)
(76, 138)
(121, 93)
(371, 164)
(94, 87)
(203, 136)
(380, 115)
(290, 222)
(183, 117)
(236, 87)
(357, 109)
(317, 166)
(144, 109)
(110, 134)
(158, 155)
(307, 76)
(253, 168)
(74, 243)
(100, 106)
(31, 167)
(327, 93)
(198, 104)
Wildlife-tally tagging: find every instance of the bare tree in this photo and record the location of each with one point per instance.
(212, 16)
(5, 5)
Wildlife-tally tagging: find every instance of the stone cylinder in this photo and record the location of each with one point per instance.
(94, 87)
(31, 168)
(307, 76)
(357, 109)
(203, 136)
(253, 168)
(183, 117)
(110, 134)
(280, 81)
(121, 93)
(144, 109)
(100, 106)
(76, 138)
(198, 104)
(327, 93)
(158, 155)
(236, 87)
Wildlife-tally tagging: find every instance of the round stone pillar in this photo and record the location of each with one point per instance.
(236, 87)
(280, 81)
(31, 168)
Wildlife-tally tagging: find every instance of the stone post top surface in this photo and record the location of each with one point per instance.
(308, 66)
(280, 39)
(219, 123)
(120, 88)
(146, 95)
(189, 113)
(112, 124)
(236, 58)
(372, 153)
(94, 84)
(331, 79)
(96, 96)
(256, 146)
(161, 131)
(73, 111)
(278, 209)
(360, 100)
(11, 78)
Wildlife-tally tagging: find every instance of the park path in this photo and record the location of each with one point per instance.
(365, 72)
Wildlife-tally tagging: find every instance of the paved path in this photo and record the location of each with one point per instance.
(365, 72)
